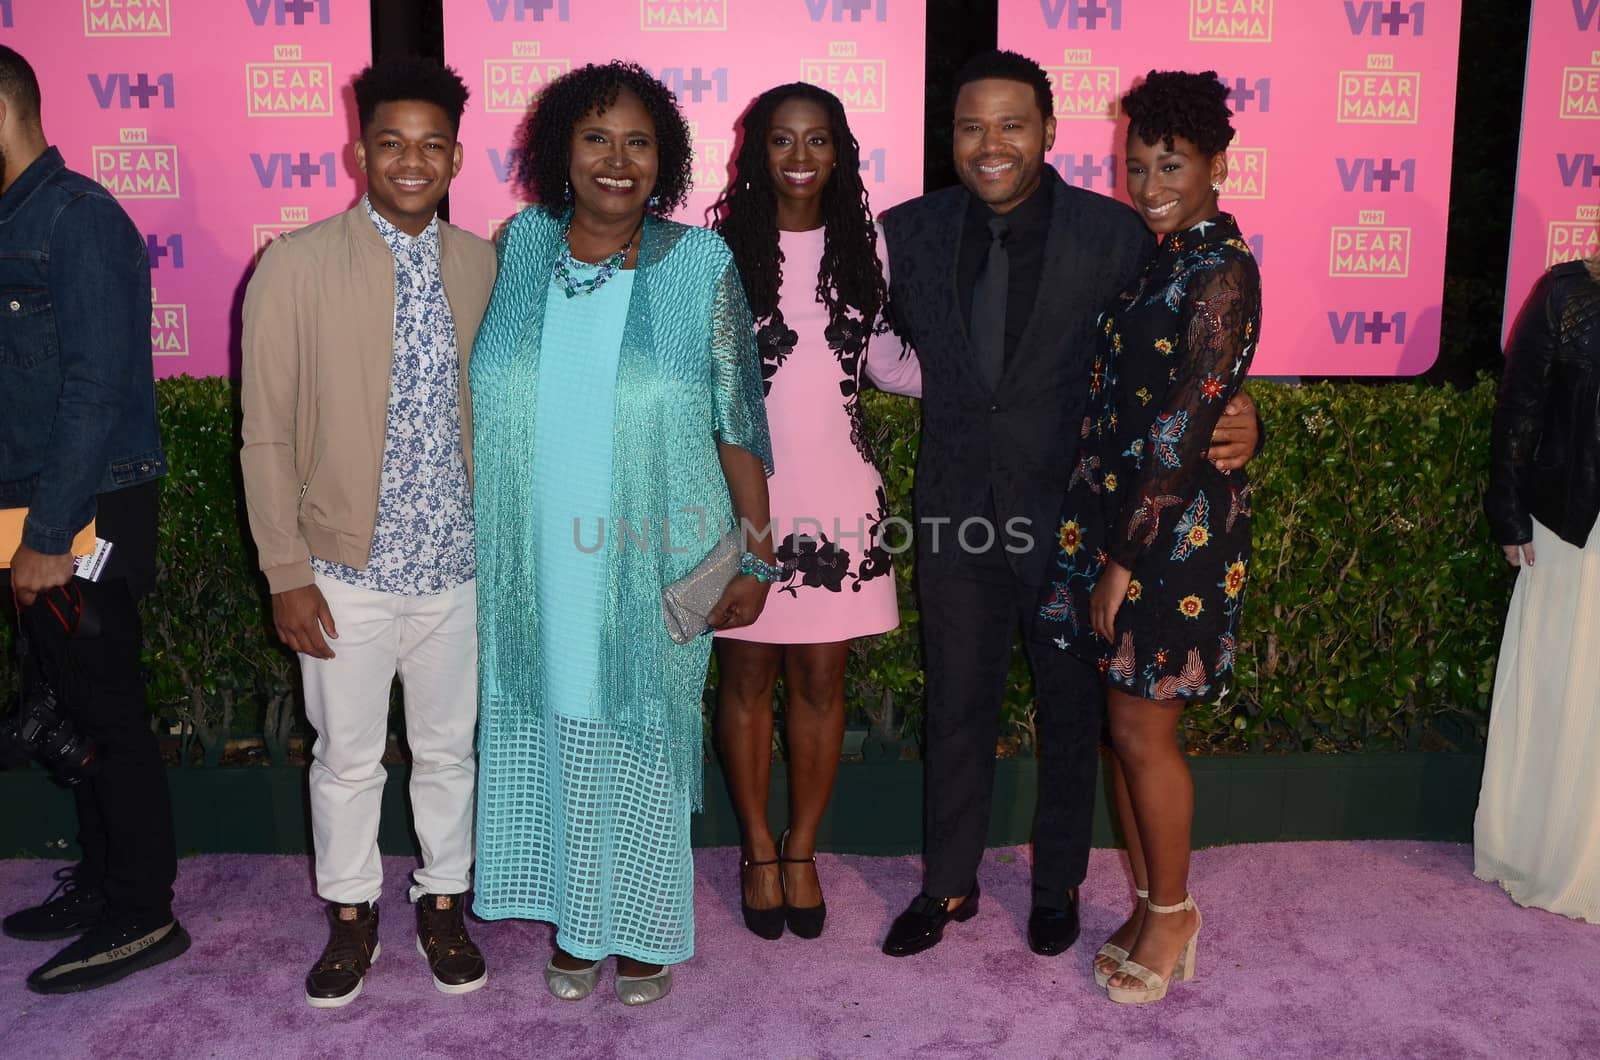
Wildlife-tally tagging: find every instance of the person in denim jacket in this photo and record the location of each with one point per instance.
(79, 441)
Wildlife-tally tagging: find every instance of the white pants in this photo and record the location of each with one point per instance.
(432, 643)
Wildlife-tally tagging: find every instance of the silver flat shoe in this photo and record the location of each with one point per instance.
(571, 986)
(643, 989)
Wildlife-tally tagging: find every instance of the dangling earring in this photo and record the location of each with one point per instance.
(566, 192)
(653, 201)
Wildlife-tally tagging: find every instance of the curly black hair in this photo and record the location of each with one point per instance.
(1006, 66)
(746, 215)
(544, 138)
(410, 77)
(1168, 103)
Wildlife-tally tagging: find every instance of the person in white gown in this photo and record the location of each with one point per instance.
(1537, 831)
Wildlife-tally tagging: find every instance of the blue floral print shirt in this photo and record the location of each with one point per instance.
(422, 543)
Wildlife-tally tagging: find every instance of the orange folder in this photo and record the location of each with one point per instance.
(11, 536)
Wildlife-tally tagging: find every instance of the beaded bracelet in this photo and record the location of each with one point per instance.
(763, 572)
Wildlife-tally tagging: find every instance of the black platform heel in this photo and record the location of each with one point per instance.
(807, 923)
(766, 923)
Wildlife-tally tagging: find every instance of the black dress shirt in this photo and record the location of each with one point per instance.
(1030, 224)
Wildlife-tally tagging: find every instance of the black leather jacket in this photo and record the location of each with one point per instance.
(1545, 445)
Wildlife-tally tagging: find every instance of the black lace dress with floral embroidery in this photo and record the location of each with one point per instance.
(827, 498)
(1173, 350)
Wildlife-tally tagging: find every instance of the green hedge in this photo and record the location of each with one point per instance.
(1372, 618)
(1373, 615)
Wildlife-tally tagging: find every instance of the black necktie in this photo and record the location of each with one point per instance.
(989, 305)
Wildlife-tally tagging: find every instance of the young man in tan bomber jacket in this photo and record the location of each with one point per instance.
(357, 456)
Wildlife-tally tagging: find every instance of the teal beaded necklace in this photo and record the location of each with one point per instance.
(571, 285)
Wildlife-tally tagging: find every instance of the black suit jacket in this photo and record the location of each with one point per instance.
(1017, 442)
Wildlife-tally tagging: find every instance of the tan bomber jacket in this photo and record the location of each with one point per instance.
(318, 355)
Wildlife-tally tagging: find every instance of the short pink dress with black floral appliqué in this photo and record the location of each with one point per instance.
(827, 498)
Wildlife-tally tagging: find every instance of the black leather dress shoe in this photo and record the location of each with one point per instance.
(1051, 931)
(921, 926)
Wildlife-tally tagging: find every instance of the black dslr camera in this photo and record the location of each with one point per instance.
(37, 727)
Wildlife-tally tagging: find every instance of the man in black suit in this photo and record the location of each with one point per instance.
(997, 285)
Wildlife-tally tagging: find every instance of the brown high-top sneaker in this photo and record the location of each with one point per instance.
(335, 980)
(442, 938)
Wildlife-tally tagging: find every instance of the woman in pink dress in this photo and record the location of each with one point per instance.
(797, 219)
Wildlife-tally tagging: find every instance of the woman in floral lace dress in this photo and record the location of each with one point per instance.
(1154, 540)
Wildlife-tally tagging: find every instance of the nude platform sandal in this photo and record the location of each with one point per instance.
(1155, 987)
(1112, 951)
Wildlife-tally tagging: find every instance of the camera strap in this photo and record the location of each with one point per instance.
(60, 607)
(53, 614)
(30, 667)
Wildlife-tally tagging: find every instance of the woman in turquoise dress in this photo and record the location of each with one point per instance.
(619, 431)
(1154, 539)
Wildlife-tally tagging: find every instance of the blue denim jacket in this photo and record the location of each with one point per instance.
(77, 387)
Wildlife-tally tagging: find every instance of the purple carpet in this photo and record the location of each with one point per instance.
(1371, 949)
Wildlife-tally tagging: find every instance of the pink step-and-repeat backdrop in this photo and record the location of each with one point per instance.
(716, 55)
(217, 123)
(1340, 175)
(1557, 216)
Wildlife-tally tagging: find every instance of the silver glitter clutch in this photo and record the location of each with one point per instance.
(687, 602)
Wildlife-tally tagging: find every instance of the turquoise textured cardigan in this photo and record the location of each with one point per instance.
(688, 376)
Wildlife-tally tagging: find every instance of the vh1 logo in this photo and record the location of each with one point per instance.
(1584, 11)
(1373, 174)
(169, 251)
(851, 9)
(288, 12)
(1577, 169)
(125, 89)
(693, 83)
(529, 10)
(287, 171)
(5, 14)
(1243, 92)
(1082, 14)
(1093, 172)
(875, 164)
(503, 163)
(1368, 328)
(1380, 18)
